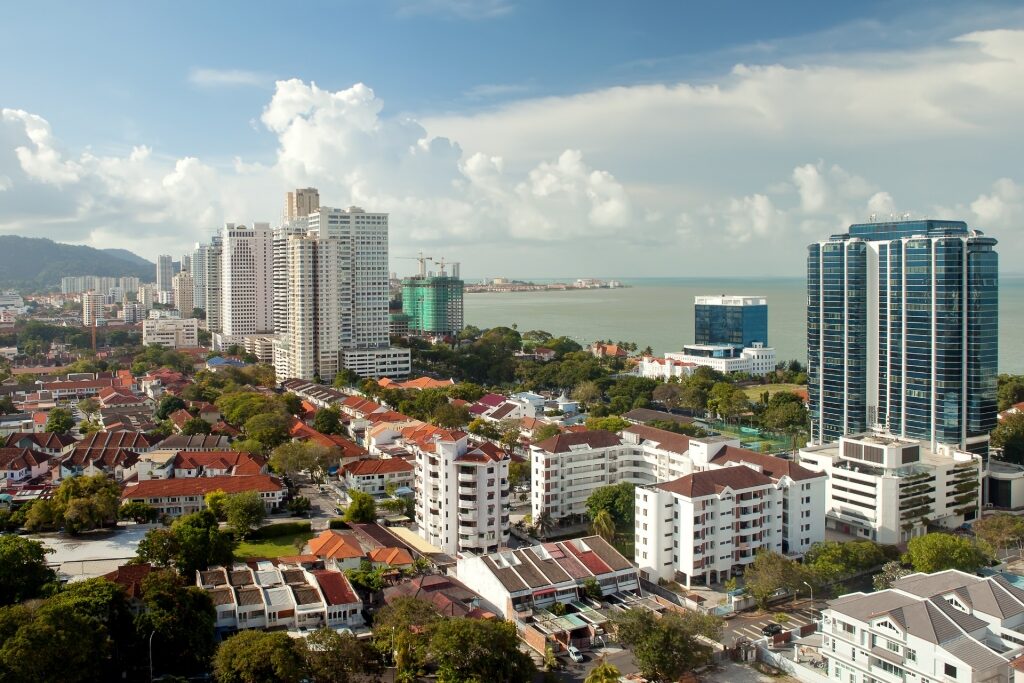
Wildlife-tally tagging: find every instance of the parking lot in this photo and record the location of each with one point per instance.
(749, 626)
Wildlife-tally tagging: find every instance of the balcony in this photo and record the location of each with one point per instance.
(469, 478)
(467, 517)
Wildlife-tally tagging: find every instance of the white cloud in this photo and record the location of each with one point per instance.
(219, 78)
(730, 176)
(461, 9)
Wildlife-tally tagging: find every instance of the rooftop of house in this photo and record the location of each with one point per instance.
(554, 563)
(713, 482)
(371, 467)
(200, 486)
(564, 443)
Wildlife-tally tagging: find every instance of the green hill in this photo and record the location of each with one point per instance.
(36, 263)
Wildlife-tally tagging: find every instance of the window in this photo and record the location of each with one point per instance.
(950, 670)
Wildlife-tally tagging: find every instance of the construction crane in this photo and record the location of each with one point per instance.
(422, 259)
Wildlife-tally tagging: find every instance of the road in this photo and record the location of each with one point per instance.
(622, 659)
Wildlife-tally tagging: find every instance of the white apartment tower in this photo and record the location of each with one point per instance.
(183, 287)
(92, 308)
(198, 273)
(213, 296)
(164, 272)
(246, 280)
(297, 226)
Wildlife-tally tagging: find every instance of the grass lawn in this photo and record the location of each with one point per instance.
(754, 392)
(288, 544)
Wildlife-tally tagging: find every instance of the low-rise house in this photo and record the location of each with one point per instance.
(344, 608)
(120, 397)
(449, 596)
(338, 549)
(218, 464)
(176, 497)
(395, 558)
(43, 442)
(138, 442)
(21, 465)
(520, 582)
(373, 476)
(943, 627)
(179, 418)
(114, 462)
(196, 442)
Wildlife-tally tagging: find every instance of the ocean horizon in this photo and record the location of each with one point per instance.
(658, 311)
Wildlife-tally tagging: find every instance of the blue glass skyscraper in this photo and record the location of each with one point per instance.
(739, 321)
(902, 326)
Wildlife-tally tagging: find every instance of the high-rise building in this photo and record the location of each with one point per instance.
(213, 297)
(740, 321)
(902, 326)
(309, 343)
(186, 263)
(92, 308)
(434, 303)
(282, 270)
(301, 203)
(183, 286)
(164, 272)
(198, 273)
(247, 277)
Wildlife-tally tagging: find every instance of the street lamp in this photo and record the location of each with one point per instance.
(812, 593)
(151, 656)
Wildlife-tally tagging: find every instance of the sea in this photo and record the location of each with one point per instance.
(658, 312)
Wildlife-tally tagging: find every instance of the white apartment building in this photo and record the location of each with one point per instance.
(214, 297)
(92, 308)
(888, 489)
(164, 272)
(709, 524)
(462, 493)
(246, 282)
(282, 270)
(183, 287)
(146, 295)
(391, 361)
(754, 360)
(198, 273)
(948, 627)
(664, 369)
(165, 297)
(173, 334)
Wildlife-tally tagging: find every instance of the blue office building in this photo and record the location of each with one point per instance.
(902, 326)
(738, 321)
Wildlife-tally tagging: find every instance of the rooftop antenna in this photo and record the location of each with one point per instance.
(873, 218)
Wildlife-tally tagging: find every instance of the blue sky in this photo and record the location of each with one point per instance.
(636, 138)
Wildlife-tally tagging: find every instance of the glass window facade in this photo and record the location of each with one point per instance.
(902, 325)
(741, 326)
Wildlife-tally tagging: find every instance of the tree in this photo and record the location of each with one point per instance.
(478, 650)
(603, 673)
(727, 400)
(361, 508)
(545, 431)
(85, 502)
(603, 525)
(23, 570)
(182, 619)
(784, 412)
(88, 406)
(215, 501)
(192, 543)
(544, 524)
(400, 633)
(510, 431)
(450, 416)
(890, 573)
(592, 588)
(1010, 390)
(299, 456)
(333, 657)
(168, 404)
(244, 511)
(612, 424)
(299, 505)
(138, 512)
(937, 552)
(292, 403)
(1008, 435)
(830, 561)
(668, 395)
(667, 647)
(196, 425)
(269, 429)
(367, 577)
(328, 420)
(346, 378)
(769, 573)
(59, 421)
(1000, 531)
(619, 500)
(255, 656)
(519, 473)
(587, 392)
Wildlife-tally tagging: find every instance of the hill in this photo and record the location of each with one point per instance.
(37, 263)
(130, 257)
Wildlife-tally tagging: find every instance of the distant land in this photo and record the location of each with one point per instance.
(37, 263)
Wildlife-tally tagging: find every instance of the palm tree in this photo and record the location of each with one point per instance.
(604, 525)
(544, 524)
(603, 673)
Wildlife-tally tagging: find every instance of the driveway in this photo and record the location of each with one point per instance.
(621, 658)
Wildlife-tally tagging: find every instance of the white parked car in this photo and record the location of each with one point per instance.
(575, 655)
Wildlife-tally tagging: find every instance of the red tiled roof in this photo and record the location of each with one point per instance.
(491, 400)
(393, 557)
(336, 544)
(134, 440)
(776, 468)
(200, 486)
(21, 458)
(335, 586)
(666, 440)
(237, 462)
(562, 443)
(47, 440)
(710, 482)
(74, 385)
(179, 417)
(362, 468)
(100, 457)
(588, 558)
(129, 577)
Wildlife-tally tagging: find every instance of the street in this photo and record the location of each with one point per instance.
(749, 626)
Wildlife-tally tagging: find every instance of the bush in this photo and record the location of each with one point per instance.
(282, 529)
(337, 523)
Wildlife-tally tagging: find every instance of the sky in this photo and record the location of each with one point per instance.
(520, 138)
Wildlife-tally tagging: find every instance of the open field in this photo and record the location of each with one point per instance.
(289, 544)
(754, 393)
